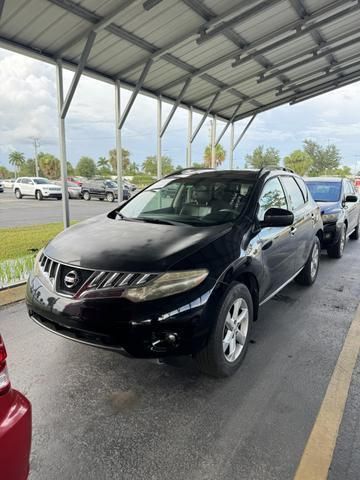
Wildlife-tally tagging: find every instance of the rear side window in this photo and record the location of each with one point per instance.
(294, 193)
(303, 188)
(272, 196)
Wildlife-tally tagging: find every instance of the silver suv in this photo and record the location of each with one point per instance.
(37, 187)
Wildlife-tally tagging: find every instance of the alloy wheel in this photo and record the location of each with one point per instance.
(315, 256)
(235, 330)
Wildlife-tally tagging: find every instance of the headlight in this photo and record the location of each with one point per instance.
(168, 284)
(330, 217)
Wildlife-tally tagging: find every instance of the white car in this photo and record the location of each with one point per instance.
(37, 187)
(9, 182)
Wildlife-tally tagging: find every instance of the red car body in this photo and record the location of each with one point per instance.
(15, 427)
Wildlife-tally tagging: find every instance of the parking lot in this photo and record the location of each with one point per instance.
(28, 211)
(98, 415)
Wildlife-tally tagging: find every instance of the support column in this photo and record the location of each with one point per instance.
(231, 149)
(189, 143)
(158, 149)
(213, 142)
(62, 144)
(119, 159)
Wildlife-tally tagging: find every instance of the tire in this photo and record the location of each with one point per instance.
(337, 250)
(38, 195)
(110, 197)
(18, 194)
(308, 274)
(86, 196)
(356, 234)
(216, 358)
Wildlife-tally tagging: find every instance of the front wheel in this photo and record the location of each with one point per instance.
(86, 196)
(337, 250)
(18, 194)
(308, 274)
(228, 341)
(38, 195)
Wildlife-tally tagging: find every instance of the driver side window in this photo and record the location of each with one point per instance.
(272, 196)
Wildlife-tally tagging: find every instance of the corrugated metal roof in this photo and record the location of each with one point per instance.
(257, 53)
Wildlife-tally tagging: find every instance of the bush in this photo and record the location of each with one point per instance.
(142, 180)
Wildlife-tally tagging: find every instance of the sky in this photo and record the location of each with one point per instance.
(28, 109)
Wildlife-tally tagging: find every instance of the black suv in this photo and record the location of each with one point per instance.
(103, 189)
(340, 211)
(180, 274)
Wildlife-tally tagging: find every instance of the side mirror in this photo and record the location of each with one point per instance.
(277, 217)
(351, 198)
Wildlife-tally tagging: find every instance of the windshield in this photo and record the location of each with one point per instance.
(40, 180)
(110, 184)
(195, 200)
(325, 191)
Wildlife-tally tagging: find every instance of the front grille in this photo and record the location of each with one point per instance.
(88, 280)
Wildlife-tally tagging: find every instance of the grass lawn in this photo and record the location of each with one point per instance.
(20, 241)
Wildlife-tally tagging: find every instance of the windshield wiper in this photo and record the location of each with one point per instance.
(157, 220)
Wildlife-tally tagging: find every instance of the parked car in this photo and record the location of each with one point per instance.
(185, 279)
(2, 186)
(74, 191)
(340, 211)
(9, 183)
(37, 187)
(131, 186)
(78, 181)
(15, 427)
(103, 189)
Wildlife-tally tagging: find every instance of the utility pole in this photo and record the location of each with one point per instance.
(36, 146)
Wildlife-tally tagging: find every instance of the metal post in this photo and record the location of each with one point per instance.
(36, 144)
(213, 142)
(158, 150)
(188, 151)
(245, 130)
(62, 143)
(119, 158)
(231, 150)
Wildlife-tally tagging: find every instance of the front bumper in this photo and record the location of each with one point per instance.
(176, 325)
(15, 436)
(331, 234)
(52, 195)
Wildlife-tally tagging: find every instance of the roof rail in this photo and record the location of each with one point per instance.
(274, 167)
(182, 170)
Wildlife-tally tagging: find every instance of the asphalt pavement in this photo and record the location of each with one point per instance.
(98, 415)
(28, 211)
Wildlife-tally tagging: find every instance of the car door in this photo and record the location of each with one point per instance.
(277, 243)
(350, 207)
(26, 186)
(302, 229)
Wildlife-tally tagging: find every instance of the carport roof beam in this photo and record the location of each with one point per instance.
(203, 118)
(175, 106)
(135, 92)
(77, 75)
(97, 27)
(228, 123)
(297, 24)
(241, 136)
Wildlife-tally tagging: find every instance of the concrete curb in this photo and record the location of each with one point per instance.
(12, 295)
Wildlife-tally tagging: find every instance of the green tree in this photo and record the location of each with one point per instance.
(262, 158)
(103, 167)
(49, 165)
(132, 169)
(70, 169)
(343, 171)
(17, 159)
(4, 172)
(298, 161)
(149, 166)
(198, 165)
(86, 167)
(325, 159)
(220, 155)
(125, 159)
(28, 169)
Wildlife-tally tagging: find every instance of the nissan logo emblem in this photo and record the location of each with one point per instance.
(71, 279)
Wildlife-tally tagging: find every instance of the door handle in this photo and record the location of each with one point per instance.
(293, 230)
(267, 245)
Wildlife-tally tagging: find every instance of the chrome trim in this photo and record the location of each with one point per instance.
(280, 288)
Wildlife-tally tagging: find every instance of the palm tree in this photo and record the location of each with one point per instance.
(220, 155)
(102, 163)
(17, 159)
(125, 159)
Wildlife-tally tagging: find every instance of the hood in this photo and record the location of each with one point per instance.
(328, 207)
(48, 185)
(101, 243)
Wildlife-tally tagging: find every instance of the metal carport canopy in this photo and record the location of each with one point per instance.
(257, 54)
(227, 58)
